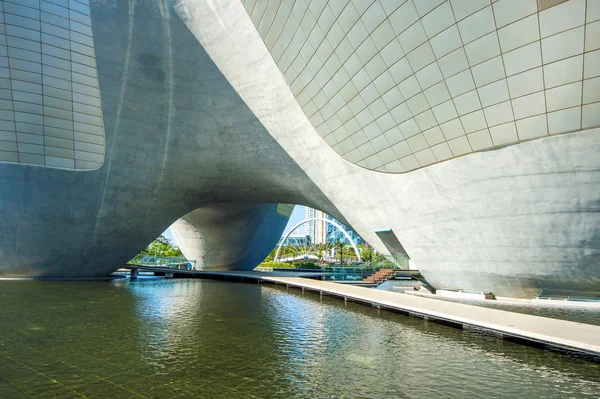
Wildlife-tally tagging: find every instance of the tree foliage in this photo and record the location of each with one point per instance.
(367, 254)
(162, 247)
(295, 265)
(343, 251)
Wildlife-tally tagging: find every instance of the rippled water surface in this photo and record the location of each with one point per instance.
(158, 338)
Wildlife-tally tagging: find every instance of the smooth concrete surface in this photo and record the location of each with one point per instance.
(463, 295)
(178, 138)
(197, 114)
(229, 236)
(510, 221)
(520, 301)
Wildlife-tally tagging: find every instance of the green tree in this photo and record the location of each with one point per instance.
(367, 254)
(162, 247)
(339, 245)
(271, 256)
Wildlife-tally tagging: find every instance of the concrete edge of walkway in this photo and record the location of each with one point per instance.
(502, 300)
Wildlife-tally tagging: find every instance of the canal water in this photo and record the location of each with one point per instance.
(158, 338)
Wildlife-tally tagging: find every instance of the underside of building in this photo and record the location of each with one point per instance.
(466, 130)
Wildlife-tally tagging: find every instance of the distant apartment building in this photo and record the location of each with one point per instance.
(315, 229)
(333, 234)
(321, 232)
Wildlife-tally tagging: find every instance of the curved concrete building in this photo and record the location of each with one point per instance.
(462, 133)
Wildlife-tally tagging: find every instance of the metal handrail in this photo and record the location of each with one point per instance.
(360, 272)
(172, 262)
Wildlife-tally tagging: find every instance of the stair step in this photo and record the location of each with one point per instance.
(379, 276)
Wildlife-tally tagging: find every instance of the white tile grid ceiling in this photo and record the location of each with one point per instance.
(396, 85)
(50, 108)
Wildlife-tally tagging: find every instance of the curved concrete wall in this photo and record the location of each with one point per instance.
(513, 220)
(397, 85)
(178, 137)
(229, 236)
(197, 113)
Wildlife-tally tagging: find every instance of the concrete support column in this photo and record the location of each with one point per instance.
(133, 274)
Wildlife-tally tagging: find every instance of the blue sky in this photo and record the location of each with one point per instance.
(167, 233)
(297, 216)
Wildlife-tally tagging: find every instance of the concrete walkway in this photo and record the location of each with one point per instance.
(567, 335)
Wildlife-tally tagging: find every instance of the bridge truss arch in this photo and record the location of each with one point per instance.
(331, 222)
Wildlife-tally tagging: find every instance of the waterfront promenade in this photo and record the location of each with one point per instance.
(528, 329)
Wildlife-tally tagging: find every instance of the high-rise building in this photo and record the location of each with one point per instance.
(321, 232)
(316, 228)
(462, 134)
(333, 234)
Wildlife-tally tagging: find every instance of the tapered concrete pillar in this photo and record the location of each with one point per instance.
(229, 236)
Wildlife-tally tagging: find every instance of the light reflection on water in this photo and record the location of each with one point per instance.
(200, 338)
